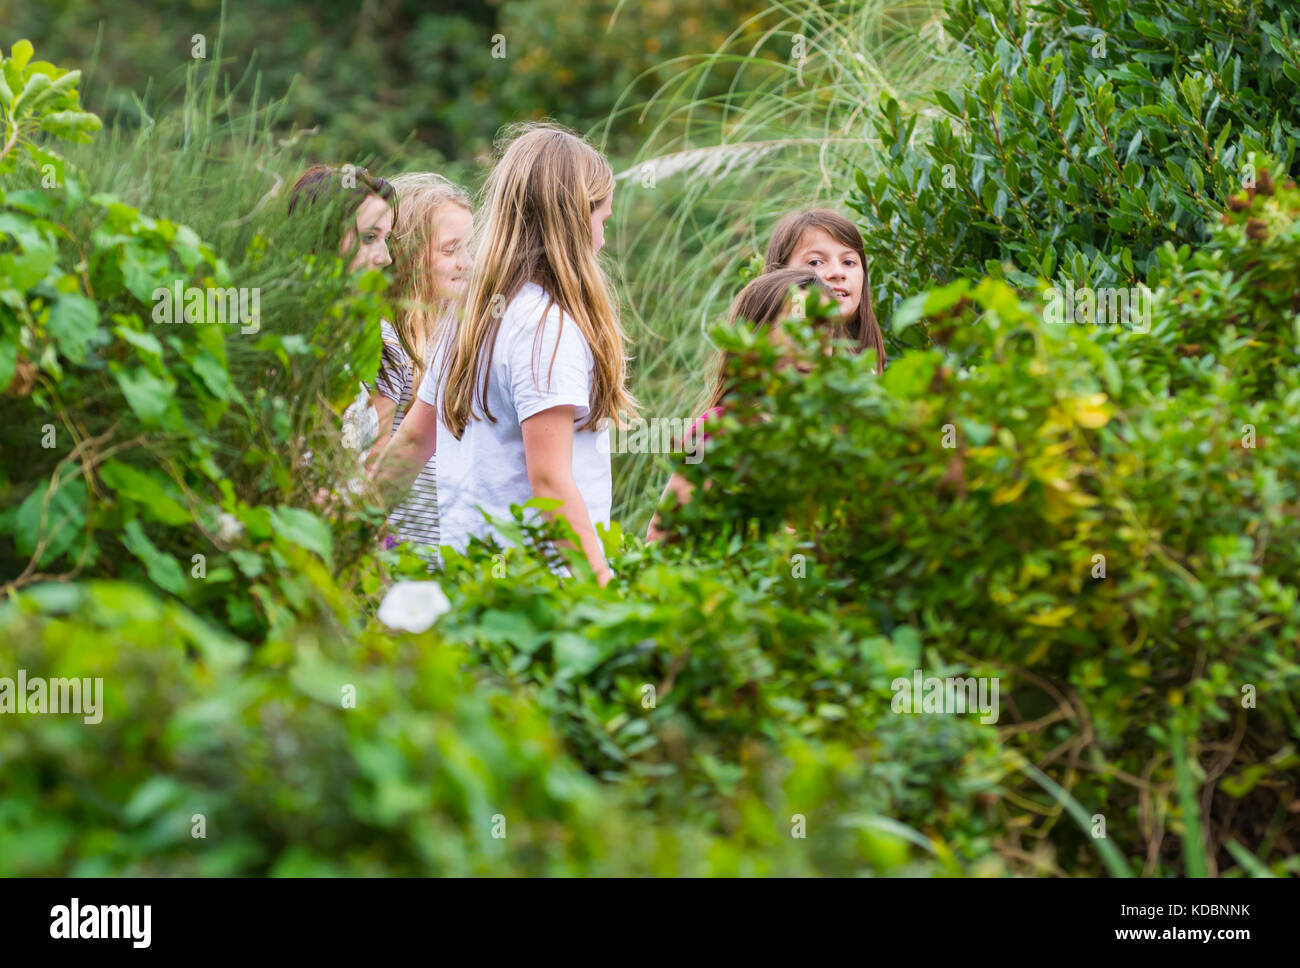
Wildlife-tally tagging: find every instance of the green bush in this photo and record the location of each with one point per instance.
(168, 451)
(1031, 498)
(287, 780)
(1091, 134)
(697, 680)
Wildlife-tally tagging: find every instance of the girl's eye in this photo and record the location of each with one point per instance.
(370, 238)
(814, 262)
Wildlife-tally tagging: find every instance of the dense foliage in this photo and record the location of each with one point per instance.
(1100, 518)
(365, 78)
(1092, 132)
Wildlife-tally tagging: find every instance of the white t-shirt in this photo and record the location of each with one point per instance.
(486, 467)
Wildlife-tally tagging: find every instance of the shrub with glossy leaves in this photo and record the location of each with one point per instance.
(1090, 134)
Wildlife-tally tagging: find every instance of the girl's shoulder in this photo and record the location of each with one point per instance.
(396, 367)
(532, 310)
(392, 342)
(526, 306)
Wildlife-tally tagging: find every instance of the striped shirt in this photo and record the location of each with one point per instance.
(415, 520)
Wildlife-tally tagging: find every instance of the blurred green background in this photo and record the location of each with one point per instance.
(375, 76)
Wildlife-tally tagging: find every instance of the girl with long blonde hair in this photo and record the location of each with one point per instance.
(431, 271)
(519, 390)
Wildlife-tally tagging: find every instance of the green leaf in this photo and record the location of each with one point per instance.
(910, 376)
(1194, 852)
(249, 562)
(25, 270)
(64, 517)
(544, 504)
(73, 321)
(149, 346)
(36, 85)
(214, 376)
(144, 270)
(945, 297)
(143, 489)
(946, 102)
(575, 655)
(1110, 855)
(163, 569)
(75, 126)
(146, 395)
(1247, 860)
(22, 53)
(305, 529)
(60, 87)
(979, 433)
(1133, 145)
(154, 795)
(8, 362)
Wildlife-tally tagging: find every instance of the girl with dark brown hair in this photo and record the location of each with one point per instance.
(831, 246)
(350, 211)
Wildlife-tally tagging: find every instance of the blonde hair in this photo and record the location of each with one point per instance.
(535, 226)
(421, 196)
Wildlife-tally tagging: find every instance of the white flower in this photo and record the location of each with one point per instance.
(229, 527)
(413, 606)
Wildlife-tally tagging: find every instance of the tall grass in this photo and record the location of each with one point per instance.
(716, 172)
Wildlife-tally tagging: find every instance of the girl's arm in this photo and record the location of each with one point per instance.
(411, 447)
(548, 455)
(676, 485)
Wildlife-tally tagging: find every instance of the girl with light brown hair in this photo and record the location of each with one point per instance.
(431, 272)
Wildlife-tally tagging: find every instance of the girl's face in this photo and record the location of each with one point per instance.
(374, 224)
(837, 265)
(599, 216)
(450, 255)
